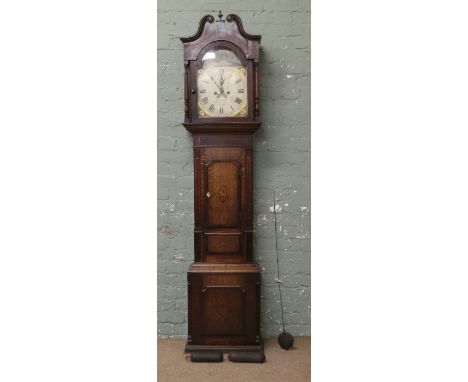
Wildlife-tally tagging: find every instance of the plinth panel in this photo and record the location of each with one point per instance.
(223, 311)
(224, 305)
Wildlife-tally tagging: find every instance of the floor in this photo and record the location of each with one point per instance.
(280, 365)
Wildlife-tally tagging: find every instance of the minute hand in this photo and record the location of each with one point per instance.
(221, 79)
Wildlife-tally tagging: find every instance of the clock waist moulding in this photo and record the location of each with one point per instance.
(222, 114)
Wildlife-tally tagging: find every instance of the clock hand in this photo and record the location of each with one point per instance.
(221, 93)
(219, 87)
(221, 80)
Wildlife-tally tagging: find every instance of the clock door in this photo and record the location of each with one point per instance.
(221, 83)
(222, 204)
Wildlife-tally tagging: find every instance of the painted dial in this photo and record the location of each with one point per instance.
(222, 85)
(222, 91)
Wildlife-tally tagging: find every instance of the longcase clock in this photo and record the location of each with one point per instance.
(222, 113)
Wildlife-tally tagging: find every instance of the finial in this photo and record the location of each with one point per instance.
(220, 15)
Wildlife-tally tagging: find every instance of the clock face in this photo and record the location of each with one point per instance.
(222, 85)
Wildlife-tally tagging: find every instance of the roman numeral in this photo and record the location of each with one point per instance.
(205, 100)
(203, 91)
(220, 110)
(238, 100)
(240, 90)
(239, 80)
(231, 107)
(211, 108)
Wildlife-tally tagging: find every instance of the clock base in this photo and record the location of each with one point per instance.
(224, 307)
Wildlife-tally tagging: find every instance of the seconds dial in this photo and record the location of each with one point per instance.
(222, 91)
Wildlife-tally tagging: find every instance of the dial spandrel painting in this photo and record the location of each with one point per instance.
(222, 85)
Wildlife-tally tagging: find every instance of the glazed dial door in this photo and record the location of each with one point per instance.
(222, 85)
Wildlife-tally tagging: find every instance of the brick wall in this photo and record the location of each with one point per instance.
(281, 159)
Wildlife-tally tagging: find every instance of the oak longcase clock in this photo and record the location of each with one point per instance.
(222, 113)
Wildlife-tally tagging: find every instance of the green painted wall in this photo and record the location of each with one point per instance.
(281, 159)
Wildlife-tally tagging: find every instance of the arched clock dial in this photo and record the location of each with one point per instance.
(222, 86)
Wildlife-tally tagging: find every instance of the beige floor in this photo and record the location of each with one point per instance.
(280, 365)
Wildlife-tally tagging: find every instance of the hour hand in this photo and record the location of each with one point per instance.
(212, 79)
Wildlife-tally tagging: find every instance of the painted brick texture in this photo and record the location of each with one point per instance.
(281, 160)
